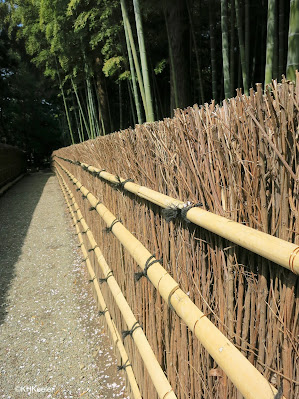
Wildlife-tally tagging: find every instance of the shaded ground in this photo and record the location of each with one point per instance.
(52, 340)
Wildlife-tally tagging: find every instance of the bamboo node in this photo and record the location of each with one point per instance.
(292, 258)
(177, 287)
(171, 390)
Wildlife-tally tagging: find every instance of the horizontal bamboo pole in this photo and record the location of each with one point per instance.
(113, 330)
(239, 370)
(275, 249)
(157, 375)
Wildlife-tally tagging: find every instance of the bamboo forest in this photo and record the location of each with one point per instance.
(98, 66)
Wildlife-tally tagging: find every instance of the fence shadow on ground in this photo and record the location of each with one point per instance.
(17, 206)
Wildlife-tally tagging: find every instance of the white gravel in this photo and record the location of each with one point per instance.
(53, 343)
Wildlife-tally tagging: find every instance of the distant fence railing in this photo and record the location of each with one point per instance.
(12, 163)
(240, 162)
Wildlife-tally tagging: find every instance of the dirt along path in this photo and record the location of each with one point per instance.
(52, 342)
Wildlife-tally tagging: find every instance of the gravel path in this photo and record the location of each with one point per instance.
(53, 343)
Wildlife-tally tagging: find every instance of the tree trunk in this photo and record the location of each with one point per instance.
(65, 106)
(247, 38)
(241, 46)
(281, 43)
(270, 42)
(81, 110)
(103, 101)
(120, 106)
(225, 61)
(177, 22)
(213, 48)
(201, 93)
(232, 49)
(67, 115)
(293, 43)
(135, 56)
(144, 66)
(133, 77)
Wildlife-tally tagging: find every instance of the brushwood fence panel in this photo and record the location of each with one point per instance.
(240, 161)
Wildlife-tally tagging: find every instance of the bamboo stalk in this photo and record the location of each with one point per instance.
(270, 42)
(225, 59)
(144, 66)
(293, 48)
(241, 372)
(133, 77)
(213, 47)
(244, 67)
(65, 104)
(81, 110)
(275, 249)
(135, 56)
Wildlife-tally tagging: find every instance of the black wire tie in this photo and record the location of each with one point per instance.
(109, 229)
(148, 264)
(92, 249)
(121, 184)
(102, 312)
(104, 280)
(124, 366)
(187, 208)
(85, 196)
(172, 212)
(125, 333)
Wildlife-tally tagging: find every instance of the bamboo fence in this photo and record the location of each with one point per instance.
(241, 162)
(73, 208)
